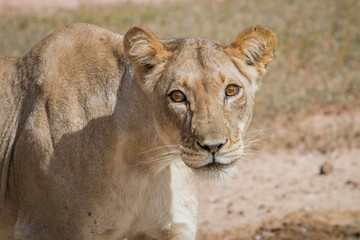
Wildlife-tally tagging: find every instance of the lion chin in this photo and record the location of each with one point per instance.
(215, 170)
(106, 136)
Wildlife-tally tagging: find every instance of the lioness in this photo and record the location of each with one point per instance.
(104, 136)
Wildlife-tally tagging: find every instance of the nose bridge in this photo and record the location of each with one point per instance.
(209, 126)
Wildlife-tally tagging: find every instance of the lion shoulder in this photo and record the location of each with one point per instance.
(65, 81)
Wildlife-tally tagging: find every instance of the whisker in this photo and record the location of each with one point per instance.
(255, 140)
(264, 132)
(155, 159)
(160, 148)
(258, 131)
(159, 164)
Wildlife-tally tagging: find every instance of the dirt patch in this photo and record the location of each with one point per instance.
(330, 225)
(271, 186)
(313, 225)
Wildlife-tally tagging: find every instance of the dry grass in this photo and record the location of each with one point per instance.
(316, 69)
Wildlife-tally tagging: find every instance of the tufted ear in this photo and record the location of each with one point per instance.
(252, 51)
(145, 52)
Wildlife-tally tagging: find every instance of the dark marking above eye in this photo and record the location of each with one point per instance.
(222, 77)
(185, 81)
(199, 51)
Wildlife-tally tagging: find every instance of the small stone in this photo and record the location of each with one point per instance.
(326, 168)
(257, 237)
(334, 154)
(262, 206)
(241, 212)
(268, 234)
(351, 183)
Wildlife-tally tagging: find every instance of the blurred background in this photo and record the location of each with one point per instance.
(301, 176)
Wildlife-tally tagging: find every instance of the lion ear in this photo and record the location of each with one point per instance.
(252, 51)
(144, 50)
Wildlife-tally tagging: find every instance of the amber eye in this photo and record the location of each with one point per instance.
(232, 90)
(177, 96)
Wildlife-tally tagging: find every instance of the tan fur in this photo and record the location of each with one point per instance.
(92, 146)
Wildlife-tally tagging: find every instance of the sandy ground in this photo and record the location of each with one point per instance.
(282, 187)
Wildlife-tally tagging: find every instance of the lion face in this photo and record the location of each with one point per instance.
(202, 91)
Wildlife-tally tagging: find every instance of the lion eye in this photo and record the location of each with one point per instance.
(177, 96)
(232, 90)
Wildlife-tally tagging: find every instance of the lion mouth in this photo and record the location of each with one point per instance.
(214, 166)
(213, 169)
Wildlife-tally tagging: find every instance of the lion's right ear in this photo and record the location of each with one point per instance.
(252, 51)
(145, 51)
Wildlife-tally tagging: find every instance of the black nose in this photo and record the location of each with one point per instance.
(212, 148)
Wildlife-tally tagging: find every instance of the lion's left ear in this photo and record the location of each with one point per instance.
(145, 52)
(252, 51)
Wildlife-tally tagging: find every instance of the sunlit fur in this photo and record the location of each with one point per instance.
(92, 146)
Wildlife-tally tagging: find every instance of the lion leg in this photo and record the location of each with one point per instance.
(175, 232)
(182, 232)
(184, 187)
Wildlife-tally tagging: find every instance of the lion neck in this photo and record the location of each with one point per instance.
(134, 118)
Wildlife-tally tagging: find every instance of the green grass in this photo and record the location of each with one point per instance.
(317, 63)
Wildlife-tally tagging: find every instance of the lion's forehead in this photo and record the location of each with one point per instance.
(201, 61)
(201, 53)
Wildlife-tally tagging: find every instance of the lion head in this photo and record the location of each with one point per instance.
(202, 92)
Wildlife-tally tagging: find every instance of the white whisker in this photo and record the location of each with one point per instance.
(254, 140)
(159, 148)
(159, 159)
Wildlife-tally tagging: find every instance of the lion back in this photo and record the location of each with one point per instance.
(65, 81)
(10, 105)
